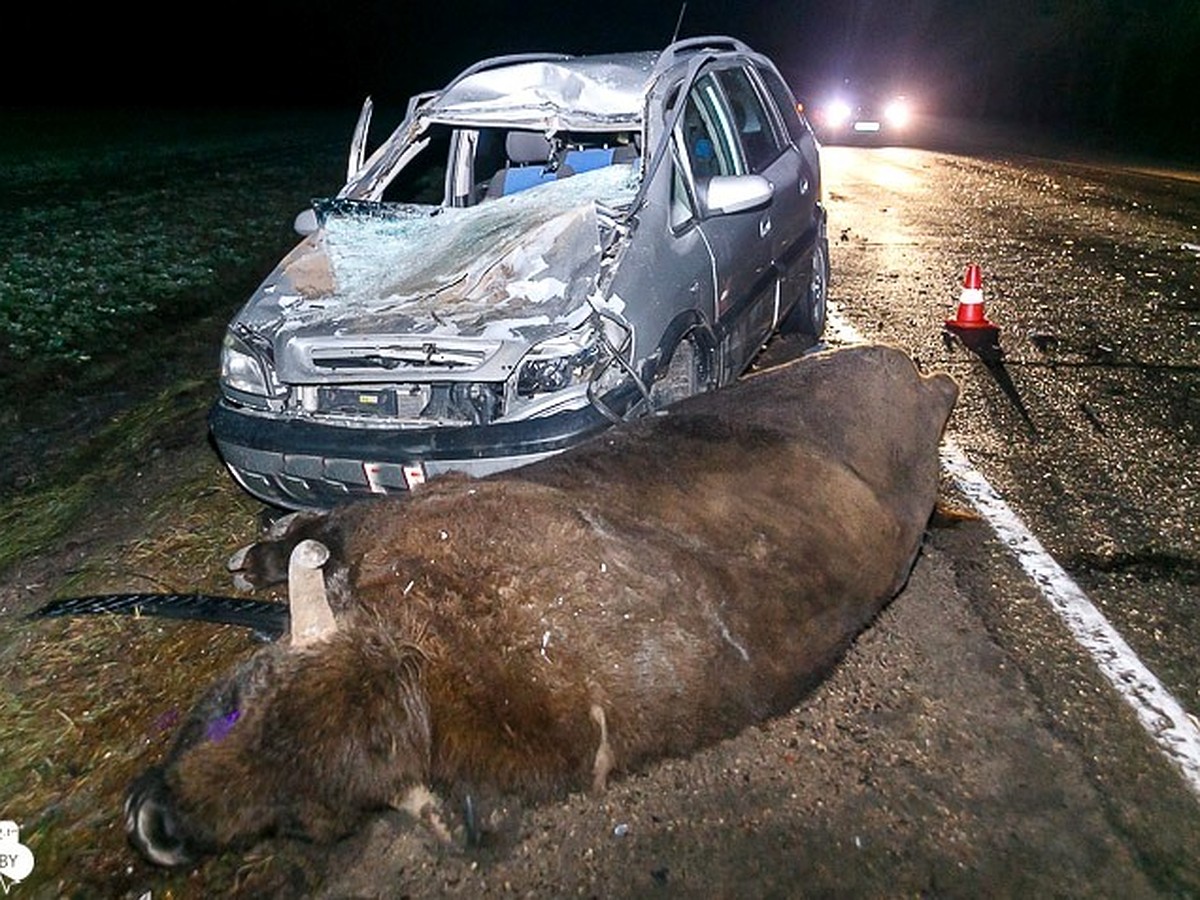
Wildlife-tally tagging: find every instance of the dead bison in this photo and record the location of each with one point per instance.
(663, 587)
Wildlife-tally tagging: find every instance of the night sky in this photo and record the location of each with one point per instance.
(1099, 65)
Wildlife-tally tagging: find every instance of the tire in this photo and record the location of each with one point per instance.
(684, 376)
(808, 315)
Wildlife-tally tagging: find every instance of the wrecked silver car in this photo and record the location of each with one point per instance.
(549, 245)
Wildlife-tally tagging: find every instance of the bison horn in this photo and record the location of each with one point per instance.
(312, 617)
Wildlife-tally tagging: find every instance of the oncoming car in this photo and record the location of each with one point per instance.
(862, 113)
(547, 246)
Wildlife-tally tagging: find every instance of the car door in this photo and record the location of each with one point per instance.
(709, 145)
(796, 172)
(768, 152)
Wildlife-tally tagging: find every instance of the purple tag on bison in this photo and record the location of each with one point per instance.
(218, 728)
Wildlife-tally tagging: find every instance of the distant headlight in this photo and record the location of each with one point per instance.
(241, 368)
(838, 113)
(558, 363)
(897, 113)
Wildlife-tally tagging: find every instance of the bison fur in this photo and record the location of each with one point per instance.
(528, 634)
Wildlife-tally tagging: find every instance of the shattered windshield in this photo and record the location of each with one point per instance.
(463, 270)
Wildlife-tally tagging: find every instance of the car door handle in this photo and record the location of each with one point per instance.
(764, 227)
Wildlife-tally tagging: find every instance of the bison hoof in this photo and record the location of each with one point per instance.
(150, 824)
(265, 562)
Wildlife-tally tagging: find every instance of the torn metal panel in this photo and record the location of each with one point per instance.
(575, 94)
(358, 144)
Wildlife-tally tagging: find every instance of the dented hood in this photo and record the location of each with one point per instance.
(506, 273)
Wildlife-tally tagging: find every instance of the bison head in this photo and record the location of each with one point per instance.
(282, 746)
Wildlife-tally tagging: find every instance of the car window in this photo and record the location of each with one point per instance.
(786, 103)
(753, 121)
(707, 134)
(704, 146)
(423, 180)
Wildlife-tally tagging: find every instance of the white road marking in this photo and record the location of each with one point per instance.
(1159, 712)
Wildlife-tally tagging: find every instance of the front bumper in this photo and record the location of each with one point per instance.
(314, 465)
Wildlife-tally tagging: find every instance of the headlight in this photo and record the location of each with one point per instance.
(897, 113)
(557, 364)
(241, 368)
(838, 112)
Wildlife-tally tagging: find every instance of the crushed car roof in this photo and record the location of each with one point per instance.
(572, 93)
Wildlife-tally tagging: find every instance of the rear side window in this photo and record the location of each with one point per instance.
(753, 121)
(423, 180)
(786, 103)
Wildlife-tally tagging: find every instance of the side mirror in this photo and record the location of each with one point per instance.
(306, 222)
(724, 194)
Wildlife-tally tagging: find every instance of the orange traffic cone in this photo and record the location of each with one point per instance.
(970, 302)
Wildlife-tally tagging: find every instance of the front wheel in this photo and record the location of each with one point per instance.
(808, 315)
(686, 374)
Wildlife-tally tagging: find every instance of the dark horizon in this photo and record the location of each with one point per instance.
(1073, 65)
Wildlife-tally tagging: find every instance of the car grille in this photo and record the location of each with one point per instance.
(453, 403)
(370, 402)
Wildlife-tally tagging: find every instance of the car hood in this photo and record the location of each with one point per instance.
(382, 278)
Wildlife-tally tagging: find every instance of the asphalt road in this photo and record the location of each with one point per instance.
(1087, 427)
(1093, 276)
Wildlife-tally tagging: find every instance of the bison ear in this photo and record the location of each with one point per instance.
(312, 618)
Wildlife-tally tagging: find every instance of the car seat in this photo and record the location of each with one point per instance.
(529, 164)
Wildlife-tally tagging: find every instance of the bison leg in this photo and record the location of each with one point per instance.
(604, 755)
(265, 562)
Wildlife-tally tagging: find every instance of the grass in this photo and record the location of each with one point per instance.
(89, 702)
(99, 236)
(32, 521)
(129, 241)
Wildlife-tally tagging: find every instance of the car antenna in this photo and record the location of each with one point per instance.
(679, 21)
